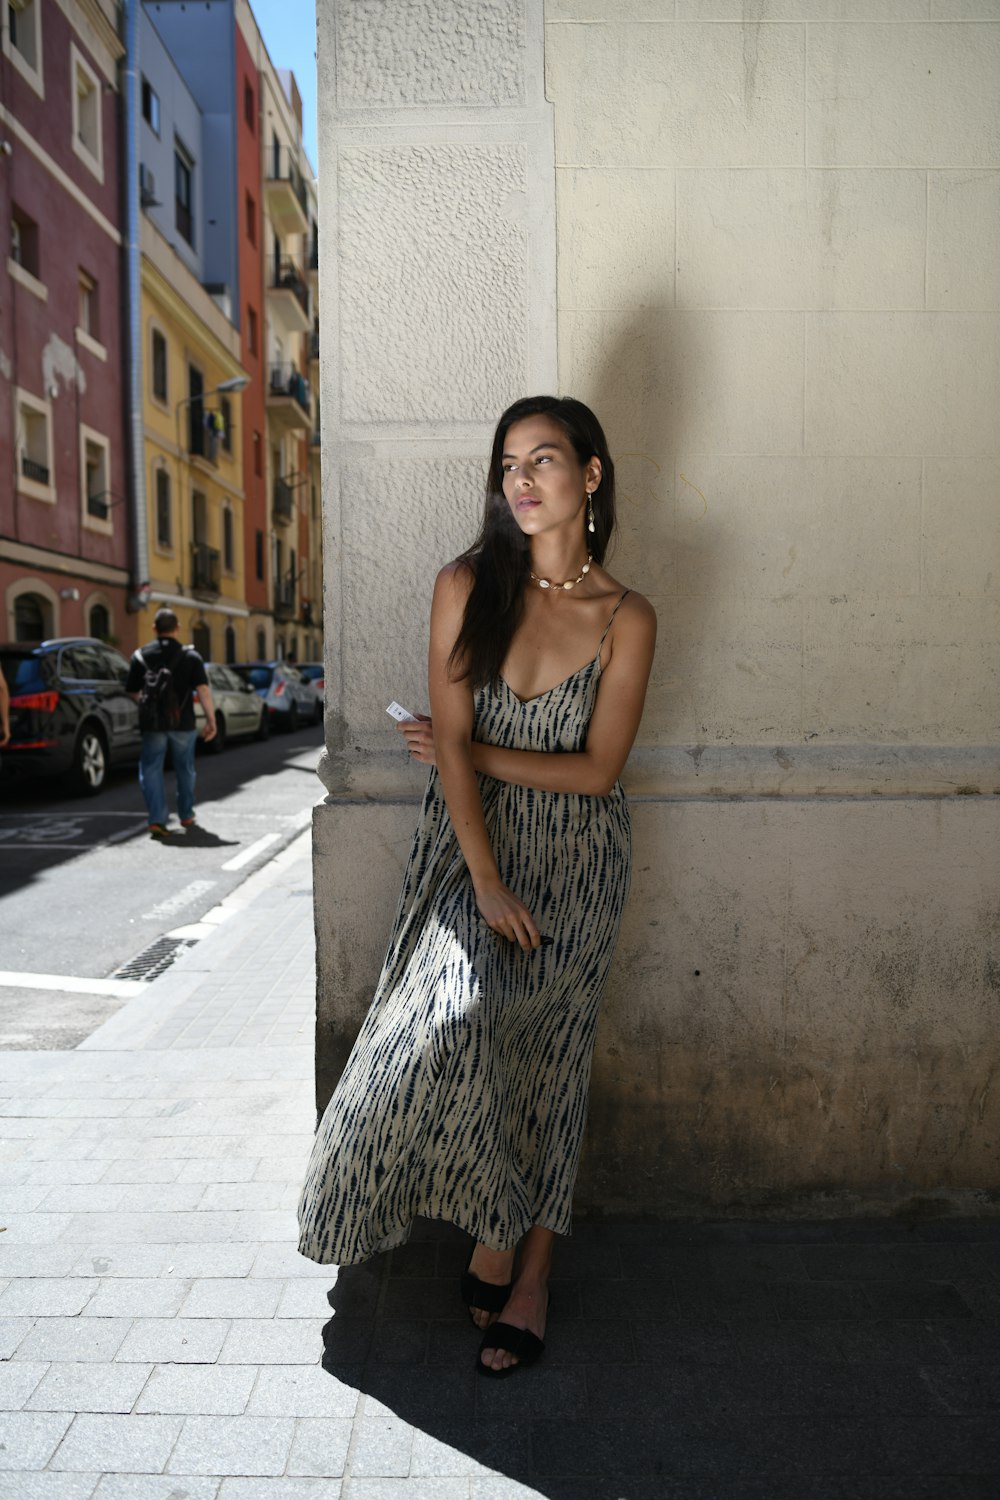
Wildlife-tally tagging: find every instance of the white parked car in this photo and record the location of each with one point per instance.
(238, 709)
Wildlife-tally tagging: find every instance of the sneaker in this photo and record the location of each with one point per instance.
(189, 822)
(158, 831)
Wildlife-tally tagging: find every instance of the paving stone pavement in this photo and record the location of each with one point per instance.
(161, 1339)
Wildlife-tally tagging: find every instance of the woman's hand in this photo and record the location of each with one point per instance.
(506, 915)
(419, 739)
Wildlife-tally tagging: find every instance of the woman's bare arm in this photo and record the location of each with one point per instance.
(452, 713)
(613, 725)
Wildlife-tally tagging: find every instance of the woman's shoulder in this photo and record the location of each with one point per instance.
(631, 605)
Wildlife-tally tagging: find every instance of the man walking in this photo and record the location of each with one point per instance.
(163, 678)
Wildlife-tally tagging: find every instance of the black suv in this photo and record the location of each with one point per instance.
(69, 711)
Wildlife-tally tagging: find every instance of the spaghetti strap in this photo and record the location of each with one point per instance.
(608, 626)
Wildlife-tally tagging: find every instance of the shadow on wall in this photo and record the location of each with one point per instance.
(641, 383)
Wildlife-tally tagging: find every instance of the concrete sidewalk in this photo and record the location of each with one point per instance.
(162, 1340)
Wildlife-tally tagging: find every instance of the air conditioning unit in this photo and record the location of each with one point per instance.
(147, 187)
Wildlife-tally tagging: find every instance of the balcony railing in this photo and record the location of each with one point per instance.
(282, 167)
(284, 598)
(286, 380)
(283, 500)
(32, 470)
(205, 562)
(283, 275)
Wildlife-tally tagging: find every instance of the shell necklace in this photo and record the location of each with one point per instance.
(571, 583)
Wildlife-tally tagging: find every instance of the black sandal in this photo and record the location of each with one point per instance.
(486, 1296)
(520, 1341)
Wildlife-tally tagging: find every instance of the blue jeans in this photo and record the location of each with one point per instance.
(154, 749)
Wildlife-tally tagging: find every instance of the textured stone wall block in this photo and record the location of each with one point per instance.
(963, 240)
(772, 527)
(676, 95)
(723, 382)
(433, 267)
(615, 218)
(785, 238)
(918, 383)
(727, 671)
(903, 95)
(429, 53)
(403, 520)
(923, 669)
(961, 527)
(801, 10)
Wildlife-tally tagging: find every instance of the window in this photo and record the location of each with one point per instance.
(95, 475)
(261, 645)
(150, 106)
(164, 511)
(158, 365)
(183, 192)
(88, 321)
(201, 637)
(230, 645)
(24, 241)
(87, 106)
(249, 105)
(251, 216)
(252, 330)
(258, 459)
(226, 411)
(258, 554)
(22, 40)
(33, 437)
(228, 541)
(99, 623)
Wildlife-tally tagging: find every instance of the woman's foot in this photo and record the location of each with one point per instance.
(496, 1268)
(527, 1307)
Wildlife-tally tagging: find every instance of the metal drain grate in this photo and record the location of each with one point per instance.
(152, 962)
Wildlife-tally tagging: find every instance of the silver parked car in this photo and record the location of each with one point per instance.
(314, 672)
(239, 711)
(290, 700)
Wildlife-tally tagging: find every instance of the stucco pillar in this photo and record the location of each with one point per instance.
(437, 222)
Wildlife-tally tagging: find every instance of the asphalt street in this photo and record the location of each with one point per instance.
(85, 890)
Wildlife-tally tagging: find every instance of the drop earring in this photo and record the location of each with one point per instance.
(590, 512)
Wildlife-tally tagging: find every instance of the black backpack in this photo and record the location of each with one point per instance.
(159, 705)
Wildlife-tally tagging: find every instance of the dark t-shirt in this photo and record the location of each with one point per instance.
(184, 662)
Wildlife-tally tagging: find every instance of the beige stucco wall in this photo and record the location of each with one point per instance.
(775, 227)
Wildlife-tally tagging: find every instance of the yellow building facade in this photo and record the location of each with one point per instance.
(193, 455)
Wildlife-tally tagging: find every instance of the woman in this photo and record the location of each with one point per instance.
(465, 1095)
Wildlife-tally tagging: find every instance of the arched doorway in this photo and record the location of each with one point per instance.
(230, 644)
(32, 618)
(201, 639)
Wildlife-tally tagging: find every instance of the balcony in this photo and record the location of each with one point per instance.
(284, 599)
(288, 294)
(314, 265)
(314, 347)
(32, 470)
(204, 434)
(205, 562)
(282, 502)
(289, 402)
(287, 200)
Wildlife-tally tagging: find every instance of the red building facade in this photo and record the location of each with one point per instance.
(64, 517)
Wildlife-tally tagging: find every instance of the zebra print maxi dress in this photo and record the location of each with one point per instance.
(465, 1095)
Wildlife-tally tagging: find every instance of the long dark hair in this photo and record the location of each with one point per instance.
(500, 557)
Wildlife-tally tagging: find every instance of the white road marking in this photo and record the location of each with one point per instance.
(251, 852)
(123, 988)
(178, 900)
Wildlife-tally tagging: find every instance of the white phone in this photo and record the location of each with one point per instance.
(400, 714)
